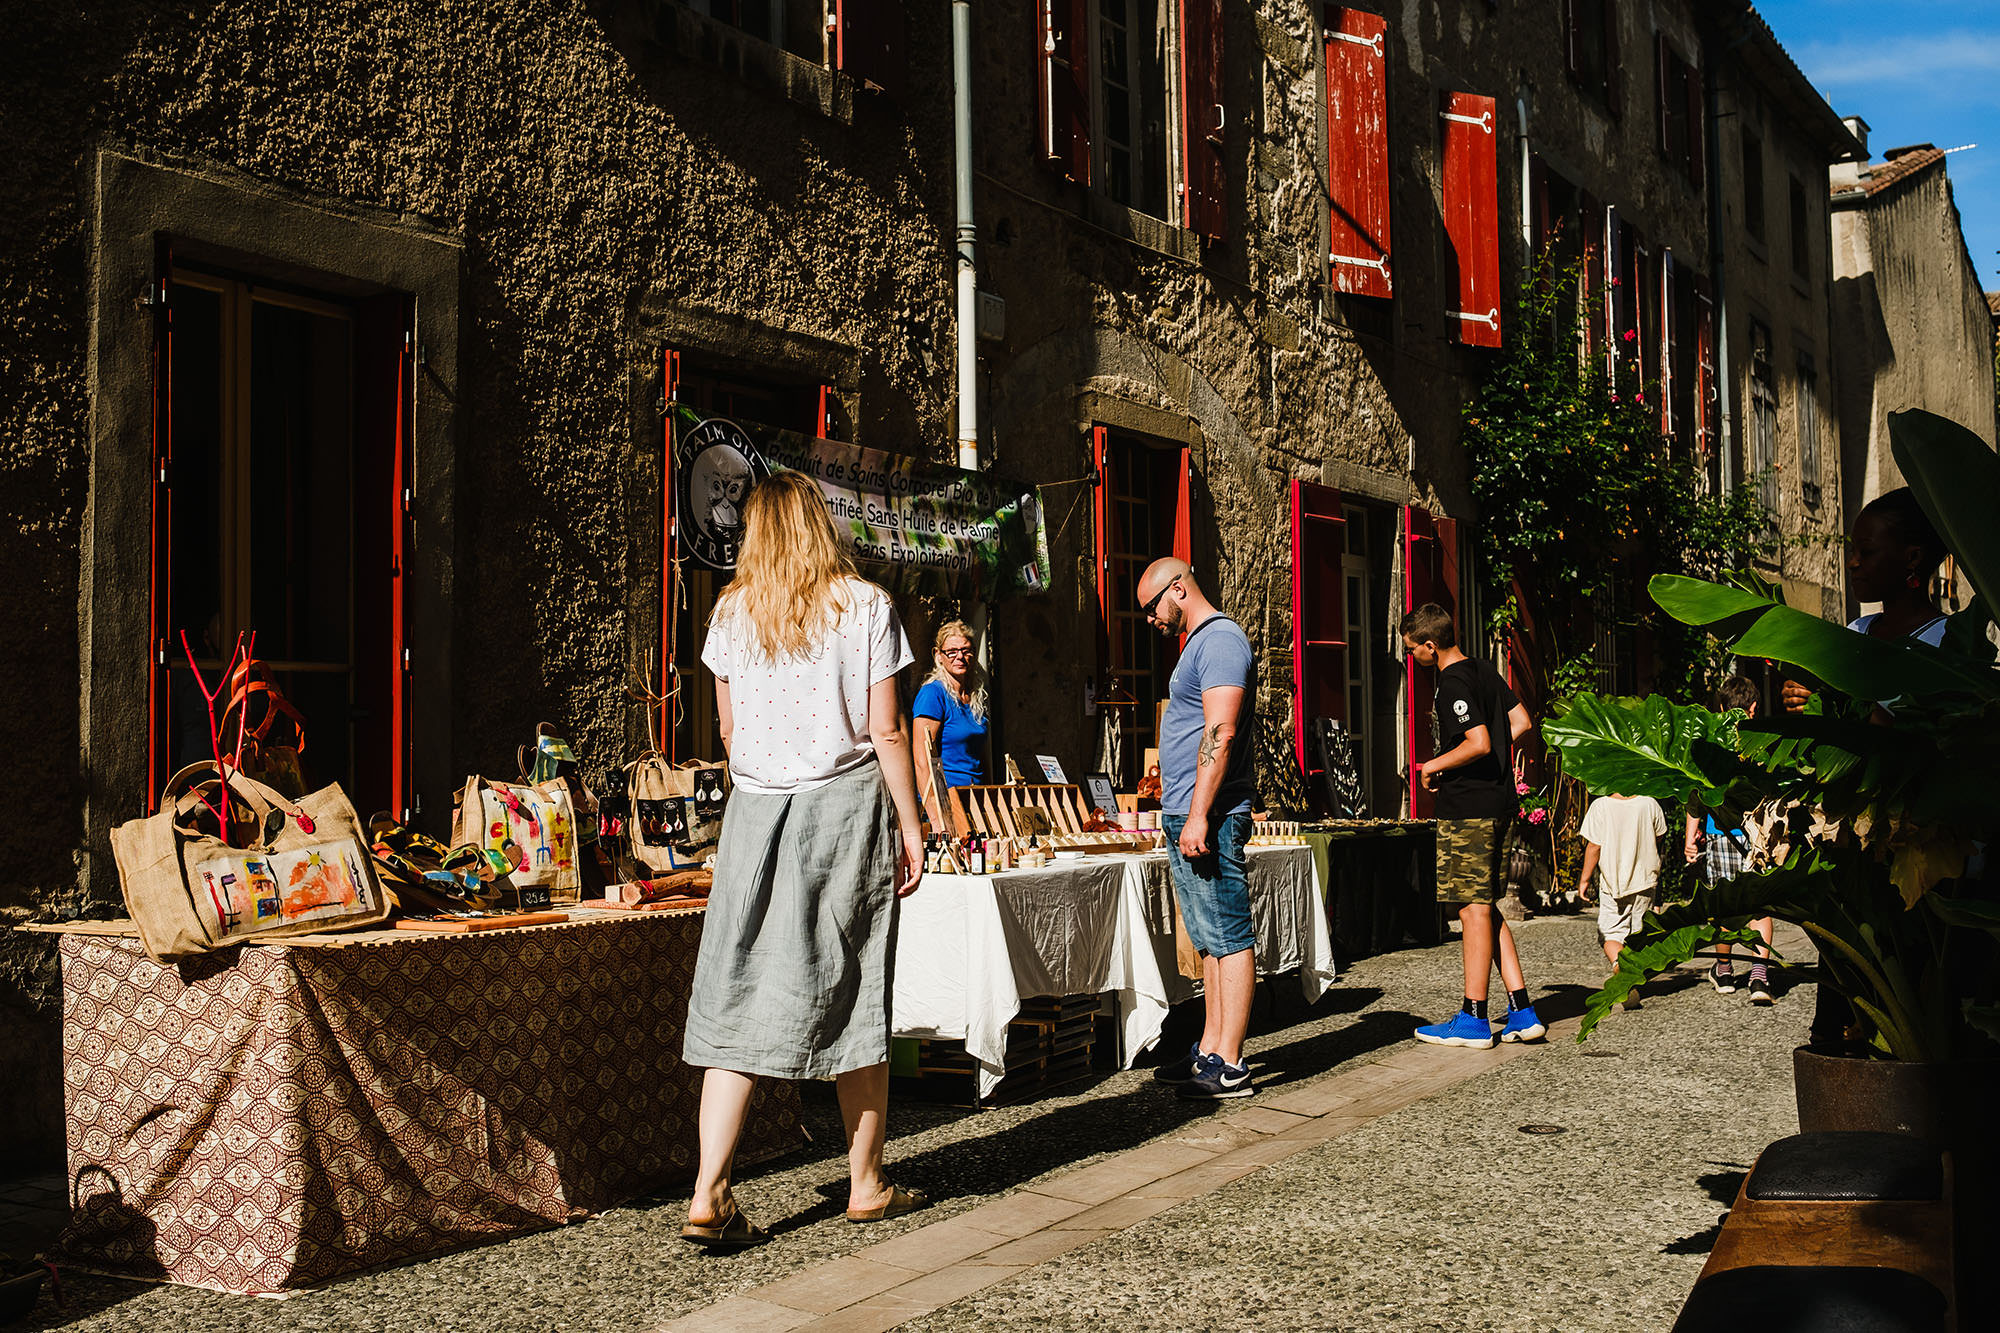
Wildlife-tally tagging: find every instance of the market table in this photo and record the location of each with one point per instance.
(273, 1116)
(1380, 878)
(970, 948)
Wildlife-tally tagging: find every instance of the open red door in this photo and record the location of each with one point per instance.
(1319, 623)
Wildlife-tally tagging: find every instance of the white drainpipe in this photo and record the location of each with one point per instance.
(968, 274)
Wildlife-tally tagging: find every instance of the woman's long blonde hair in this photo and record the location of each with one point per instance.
(791, 570)
(975, 679)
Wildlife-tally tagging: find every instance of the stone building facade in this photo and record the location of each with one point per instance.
(1917, 331)
(1252, 260)
(1776, 138)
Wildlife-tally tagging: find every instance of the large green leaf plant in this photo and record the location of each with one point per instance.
(1866, 810)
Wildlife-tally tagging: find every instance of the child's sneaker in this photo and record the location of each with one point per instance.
(1461, 1029)
(1760, 992)
(1724, 982)
(1523, 1025)
(1217, 1081)
(1188, 1067)
(1631, 1000)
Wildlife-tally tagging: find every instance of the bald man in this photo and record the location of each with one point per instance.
(1205, 791)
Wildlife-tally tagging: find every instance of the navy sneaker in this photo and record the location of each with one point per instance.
(1190, 1066)
(1461, 1029)
(1218, 1081)
(1523, 1025)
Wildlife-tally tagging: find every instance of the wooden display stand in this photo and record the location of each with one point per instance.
(989, 811)
(1052, 1041)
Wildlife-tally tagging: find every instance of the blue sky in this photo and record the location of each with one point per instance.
(1920, 71)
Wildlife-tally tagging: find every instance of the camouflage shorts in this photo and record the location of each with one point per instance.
(1470, 859)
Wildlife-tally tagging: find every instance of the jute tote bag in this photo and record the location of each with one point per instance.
(288, 867)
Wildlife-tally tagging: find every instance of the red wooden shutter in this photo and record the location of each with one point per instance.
(1319, 620)
(1472, 215)
(1697, 125)
(670, 392)
(1184, 514)
(1357, 151)
(160, 617)
(1665, 99)
(1105, 515)
(1064, 86)
(1419, 685)
(1203, 190)
(869, 42)
(1614, 61)
(1613, 293)
(1704, 360)
(402, 739)
(1669, 344)
(1590, 283)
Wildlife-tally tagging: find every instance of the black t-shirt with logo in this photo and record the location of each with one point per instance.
(1470, 693)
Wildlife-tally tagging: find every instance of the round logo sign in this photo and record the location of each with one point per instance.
(718, 465)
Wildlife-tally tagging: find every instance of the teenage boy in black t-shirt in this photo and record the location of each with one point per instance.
(1472, 777)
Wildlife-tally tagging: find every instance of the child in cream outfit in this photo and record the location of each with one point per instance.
(1621, 865)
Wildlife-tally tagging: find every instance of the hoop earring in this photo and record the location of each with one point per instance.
(1914, 581)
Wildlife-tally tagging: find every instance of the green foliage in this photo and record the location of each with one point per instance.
(1862, 820)
(1577, 484)
(1645, 747)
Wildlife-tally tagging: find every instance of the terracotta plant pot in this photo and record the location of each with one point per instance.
(1837, 1092)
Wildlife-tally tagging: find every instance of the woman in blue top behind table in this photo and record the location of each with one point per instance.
(951, 717)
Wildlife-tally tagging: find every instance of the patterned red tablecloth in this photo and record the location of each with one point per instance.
(279, 1115)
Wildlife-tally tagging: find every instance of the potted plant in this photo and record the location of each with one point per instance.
(1863, 834)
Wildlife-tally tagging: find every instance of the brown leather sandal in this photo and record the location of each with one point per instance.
(735, 1232)
(900, 1201)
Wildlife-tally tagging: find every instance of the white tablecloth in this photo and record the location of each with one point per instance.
(969, 948)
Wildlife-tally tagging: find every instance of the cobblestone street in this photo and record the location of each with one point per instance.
(1373, 1183)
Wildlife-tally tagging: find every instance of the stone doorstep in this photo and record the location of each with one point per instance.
(933, 1266)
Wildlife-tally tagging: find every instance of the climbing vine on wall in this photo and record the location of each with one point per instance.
(1579, 489)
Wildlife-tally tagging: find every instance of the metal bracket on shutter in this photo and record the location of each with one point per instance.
(1484, 120)
(1373, 43)
(1491, 319)
(1379, 265)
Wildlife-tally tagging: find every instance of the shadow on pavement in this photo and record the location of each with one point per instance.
(1720, 1186)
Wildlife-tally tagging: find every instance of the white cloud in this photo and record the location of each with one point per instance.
(1899, 60)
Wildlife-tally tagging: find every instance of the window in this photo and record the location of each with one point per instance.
(1801, 231)
(762, 19)
(1141, 512)
(284, 483)
(1678, 110)
(1753, 186)
(1807, 391)
(1763, 417)
(1117, 131)
(1591, 48)
(1131, 46)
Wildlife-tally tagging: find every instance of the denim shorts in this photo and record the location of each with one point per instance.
(1213, 890)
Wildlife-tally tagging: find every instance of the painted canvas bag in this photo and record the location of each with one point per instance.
(533, 824)
(676, 811)
(286, 867)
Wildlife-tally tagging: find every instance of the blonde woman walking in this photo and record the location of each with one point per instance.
(950, 720)
(821, 838)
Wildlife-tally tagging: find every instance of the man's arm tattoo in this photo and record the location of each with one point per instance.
(1210, 739)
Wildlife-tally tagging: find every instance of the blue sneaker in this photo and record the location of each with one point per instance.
(1217, 1081)
(1461, 1029)
(1523, 1025)
(1180, 1071)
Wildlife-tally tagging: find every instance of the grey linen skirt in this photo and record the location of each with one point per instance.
(799, 944)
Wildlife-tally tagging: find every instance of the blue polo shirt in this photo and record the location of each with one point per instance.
(1217, 654)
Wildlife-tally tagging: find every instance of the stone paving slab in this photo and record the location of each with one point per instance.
(1362, 1208)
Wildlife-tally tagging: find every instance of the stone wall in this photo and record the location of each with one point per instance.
(609, 170)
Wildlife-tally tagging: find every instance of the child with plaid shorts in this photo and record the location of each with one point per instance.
(1719, 852)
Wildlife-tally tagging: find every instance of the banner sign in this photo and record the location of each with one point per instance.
(914, 526)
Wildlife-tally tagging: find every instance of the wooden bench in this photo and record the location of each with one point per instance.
(1854, 1225)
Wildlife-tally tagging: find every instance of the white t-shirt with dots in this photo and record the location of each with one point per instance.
(801, 722)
